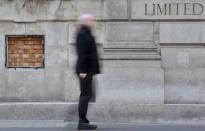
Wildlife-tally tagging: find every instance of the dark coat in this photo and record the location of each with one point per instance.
(87, 61)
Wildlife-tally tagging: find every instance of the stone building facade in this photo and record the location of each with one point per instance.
(152, 52)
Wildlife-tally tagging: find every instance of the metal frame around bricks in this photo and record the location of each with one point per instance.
(6, 51)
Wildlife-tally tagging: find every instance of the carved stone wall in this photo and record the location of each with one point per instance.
(146, 57)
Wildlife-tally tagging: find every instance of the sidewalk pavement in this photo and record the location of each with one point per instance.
(60, 125)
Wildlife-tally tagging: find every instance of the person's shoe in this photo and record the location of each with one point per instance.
(85, 120)
(86, 126)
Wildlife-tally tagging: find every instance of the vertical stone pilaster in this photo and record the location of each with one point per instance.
(156, 35)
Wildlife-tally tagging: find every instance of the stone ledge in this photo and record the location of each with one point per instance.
(130, 52)
(104, 112)
(33, 124)
(131, 56)
(127, 45)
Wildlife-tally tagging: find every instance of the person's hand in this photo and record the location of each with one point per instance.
(82, 75)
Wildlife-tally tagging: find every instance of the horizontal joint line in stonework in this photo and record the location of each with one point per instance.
(116, 20)
(182, 44)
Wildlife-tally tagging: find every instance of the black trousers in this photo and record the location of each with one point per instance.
(85, 96)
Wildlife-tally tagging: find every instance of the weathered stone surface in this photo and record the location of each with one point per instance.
(48, 10)
(11, 28)
(120, 112)
(151, 9)
(43, 111)
(3, 85)
(60, 10)
(15, 86)
(72, 57)
(135, 76)
(56, 56)
(72, 87)
(9, 13)
(89, 6)
(102, 9)
(34, 85)
(2, 55)
(129, 32)
(131, 85)
(146, 113)
(70, 10)
(182, 32)
(56, 33)
(115, 9)
(6, 110)
(185, 57)
(184, 86)
(54, 84)
(20, 111)
(67, 112)
(184, 74)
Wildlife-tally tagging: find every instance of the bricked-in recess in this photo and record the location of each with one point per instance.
(25, 51)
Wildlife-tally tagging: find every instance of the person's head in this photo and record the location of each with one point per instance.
(87, 20)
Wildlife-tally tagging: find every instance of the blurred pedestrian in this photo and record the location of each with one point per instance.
(87, 66)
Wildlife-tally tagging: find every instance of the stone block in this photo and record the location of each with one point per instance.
(3, 84)
(182, 32)
(185, 57)
(27, 11)
(72, 87)
(43, 112)
(72, 32)
(67, 112)
(15, 86)
(146, 113)
(11, 28)
(72, 57)
(55, 33)
(131, 85)
(132, 32)
(71, 10)
(10, 13)
(185, 86)
(56, 56)
(89, 6)
(23, 85)
(2, 55)
(34, 85)
(115, 9)
(6, 110)
(54, 84)
(21, 112)
(63, 10)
